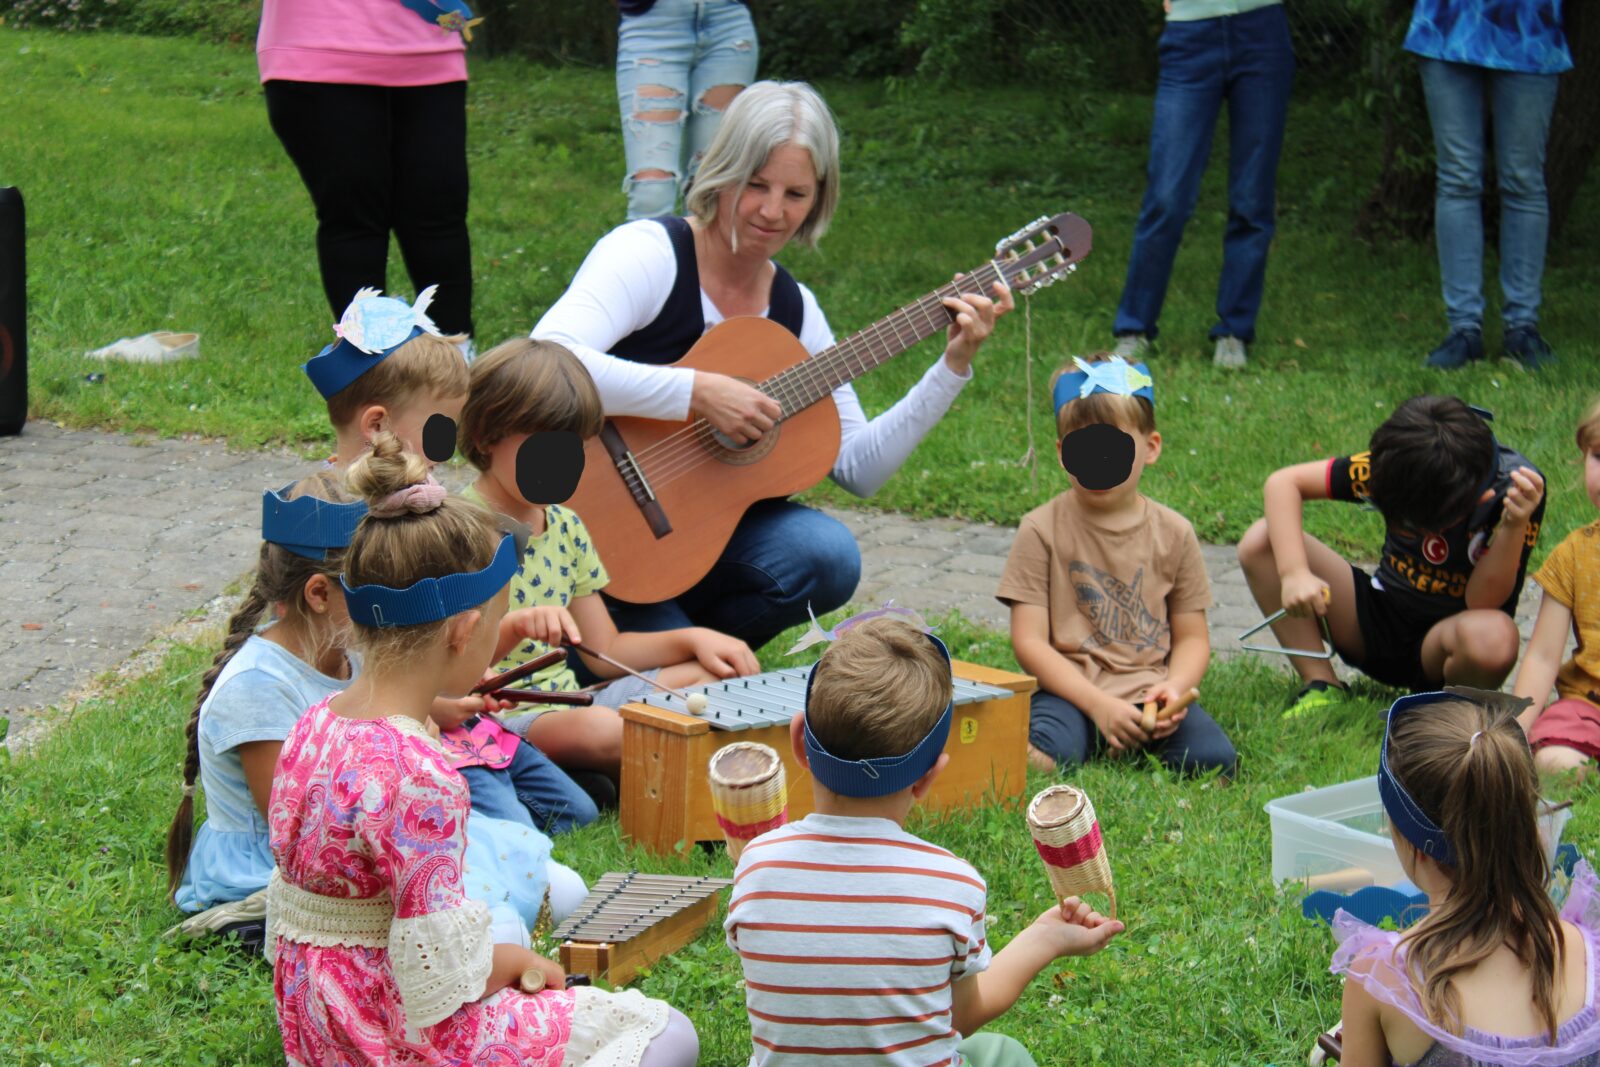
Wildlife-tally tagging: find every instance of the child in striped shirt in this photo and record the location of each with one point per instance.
(863, 944)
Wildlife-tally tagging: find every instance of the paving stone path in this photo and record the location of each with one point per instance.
(108, 539)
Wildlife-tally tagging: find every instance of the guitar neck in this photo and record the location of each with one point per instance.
(808, 381)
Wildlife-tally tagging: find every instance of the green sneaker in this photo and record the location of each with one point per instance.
(1315, 697)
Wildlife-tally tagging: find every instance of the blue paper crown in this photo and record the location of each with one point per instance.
(1406, 814)
(432, 599)
(370, 330)
(1115, 375)
(882, 775)
(308, 526)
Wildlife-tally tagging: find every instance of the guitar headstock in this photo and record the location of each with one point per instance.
(1043, 252)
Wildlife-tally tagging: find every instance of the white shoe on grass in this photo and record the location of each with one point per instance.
(1132, 347)
(1230, 352)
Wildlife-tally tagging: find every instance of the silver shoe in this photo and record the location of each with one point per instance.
(1230, 352)
(1132, 347)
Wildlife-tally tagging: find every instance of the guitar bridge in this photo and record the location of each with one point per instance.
(633, 477)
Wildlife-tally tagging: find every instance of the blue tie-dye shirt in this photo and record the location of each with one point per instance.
(1519, 35)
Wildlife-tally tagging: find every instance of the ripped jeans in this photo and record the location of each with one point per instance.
(668, 59)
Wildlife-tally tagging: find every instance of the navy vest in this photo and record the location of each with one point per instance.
(681, 321)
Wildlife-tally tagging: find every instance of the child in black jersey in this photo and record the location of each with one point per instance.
(1461, 515)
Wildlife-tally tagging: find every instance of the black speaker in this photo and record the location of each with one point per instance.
(13, 313)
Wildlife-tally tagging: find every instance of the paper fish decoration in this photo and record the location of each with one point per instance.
(452, 16)
(816, 635)
(1115, 375)
(375, 323)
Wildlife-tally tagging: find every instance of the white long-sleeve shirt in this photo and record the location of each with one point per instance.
(623, 285)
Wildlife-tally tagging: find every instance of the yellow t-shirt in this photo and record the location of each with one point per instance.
(560, 566)
(1571, 574)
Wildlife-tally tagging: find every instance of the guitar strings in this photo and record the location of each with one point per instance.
(680, 452)
(811, 373)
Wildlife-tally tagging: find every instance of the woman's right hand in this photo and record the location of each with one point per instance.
(1304, 594)
(736, 409)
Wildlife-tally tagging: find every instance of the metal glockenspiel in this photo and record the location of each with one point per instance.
(628, 921)
(666, 801)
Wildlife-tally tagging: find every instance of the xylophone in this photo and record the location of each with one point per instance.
(666, 800)
(628, 921)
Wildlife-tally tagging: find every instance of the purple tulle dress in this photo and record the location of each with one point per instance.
(1370, 956)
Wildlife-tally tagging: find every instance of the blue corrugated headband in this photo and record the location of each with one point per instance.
(308, 526)
(432, 599)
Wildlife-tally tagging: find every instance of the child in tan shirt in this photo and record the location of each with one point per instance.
(1108, 591)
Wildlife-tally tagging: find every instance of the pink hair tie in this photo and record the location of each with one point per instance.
(416, 499)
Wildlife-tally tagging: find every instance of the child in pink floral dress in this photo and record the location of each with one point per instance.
(380, 958)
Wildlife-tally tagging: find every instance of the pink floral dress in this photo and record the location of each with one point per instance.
(379, 956)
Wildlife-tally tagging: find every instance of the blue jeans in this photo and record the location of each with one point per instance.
(532, 791)
(1058, 729)
(681, 47)
(1247, 61)
(782, 556)
(1458, 96)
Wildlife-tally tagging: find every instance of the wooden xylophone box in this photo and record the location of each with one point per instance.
(666, 798)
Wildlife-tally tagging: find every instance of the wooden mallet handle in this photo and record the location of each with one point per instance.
(539, 696)
(517, 673)
(1154, 714)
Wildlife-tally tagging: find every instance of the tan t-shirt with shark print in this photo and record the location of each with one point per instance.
(1109, 594)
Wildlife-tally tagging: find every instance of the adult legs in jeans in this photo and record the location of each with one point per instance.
(781, 558)
(353, 146)
(679, 65)
(532, 791)
(1189, 95)
(1057, 728)
(1260, 74)
(1521, 105)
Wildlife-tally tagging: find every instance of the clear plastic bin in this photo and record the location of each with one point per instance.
(1337, 837)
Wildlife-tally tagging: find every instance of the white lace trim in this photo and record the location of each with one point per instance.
(313, 919)
(612, 1029)
(441, 960)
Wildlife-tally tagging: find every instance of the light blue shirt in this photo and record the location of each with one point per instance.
(259, 696)
(1194, 10)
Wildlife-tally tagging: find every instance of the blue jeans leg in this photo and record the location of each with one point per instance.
(1057, 728)
(1189, 95)
(531, 790)
(1521, 105)
(666, 60)
(1260, 75)
(782, 557)
(1455, 95)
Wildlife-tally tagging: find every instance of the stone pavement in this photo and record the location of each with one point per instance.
(107, 539)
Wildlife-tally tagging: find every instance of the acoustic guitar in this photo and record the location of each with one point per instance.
(661, 499)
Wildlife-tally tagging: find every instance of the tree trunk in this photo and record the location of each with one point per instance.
(1401, 203)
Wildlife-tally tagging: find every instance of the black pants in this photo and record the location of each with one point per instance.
(377, 159)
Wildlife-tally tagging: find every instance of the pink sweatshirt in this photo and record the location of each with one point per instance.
(355, 42)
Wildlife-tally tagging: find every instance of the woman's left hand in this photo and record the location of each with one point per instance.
(974, 322)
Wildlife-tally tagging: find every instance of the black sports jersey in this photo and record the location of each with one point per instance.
(1429, 571)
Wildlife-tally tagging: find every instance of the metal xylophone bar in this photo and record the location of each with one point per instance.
(634, 898)
(775, 696)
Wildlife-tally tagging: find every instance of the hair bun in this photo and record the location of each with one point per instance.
(384, 471)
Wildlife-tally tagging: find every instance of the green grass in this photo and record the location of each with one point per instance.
(159, 199)
(1216, 966)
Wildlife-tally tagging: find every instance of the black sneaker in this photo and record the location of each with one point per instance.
(1523, 344)
(1315, 697)
(1460, 348)
(601, 789)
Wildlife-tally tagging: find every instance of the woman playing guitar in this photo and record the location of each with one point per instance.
(648, 291)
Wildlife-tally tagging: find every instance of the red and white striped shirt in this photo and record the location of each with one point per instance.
(851, 933)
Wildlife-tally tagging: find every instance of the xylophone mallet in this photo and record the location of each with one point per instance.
(1154, 713)
(696, 703)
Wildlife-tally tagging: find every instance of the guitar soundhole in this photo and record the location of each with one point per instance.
(726, 451)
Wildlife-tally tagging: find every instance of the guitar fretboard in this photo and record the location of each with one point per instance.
(808, 381)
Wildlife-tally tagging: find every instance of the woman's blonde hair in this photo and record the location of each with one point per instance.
(1471, 773)
(454, 538)
(763, 117)
(526, 386)
(280, 580)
